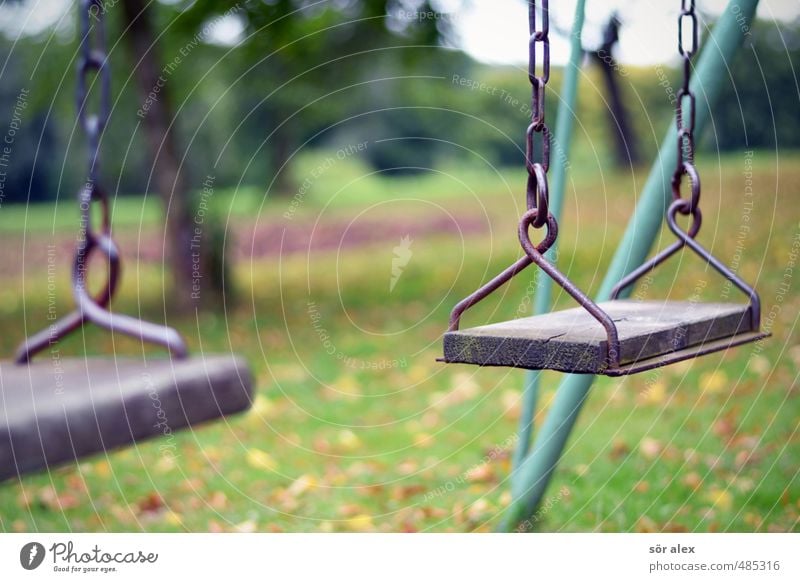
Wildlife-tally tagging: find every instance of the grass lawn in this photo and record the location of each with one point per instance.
(356, 427)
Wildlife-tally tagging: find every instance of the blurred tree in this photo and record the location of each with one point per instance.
(304, 58)
(758, 108)
(625, 144)
(185, 252)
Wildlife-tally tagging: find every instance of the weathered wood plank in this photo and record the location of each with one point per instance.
(573, 341)
(57, 411)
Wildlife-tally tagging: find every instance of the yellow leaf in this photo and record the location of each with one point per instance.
(423, 440)
(103, 469)
(263, 407)
(655, 394)
(346, 386)
(348, 440)
(248, 526)
(258, 459)
(173, 518)
(720, 498)
(512, 402)
(165, 464)
(302, 484)
(418, 373)
(714, 382)
(360, 522)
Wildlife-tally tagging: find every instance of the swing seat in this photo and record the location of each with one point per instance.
(57, 411)
(651, 334)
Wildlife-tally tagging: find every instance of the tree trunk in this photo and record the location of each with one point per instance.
(168, 182)
(626, 150)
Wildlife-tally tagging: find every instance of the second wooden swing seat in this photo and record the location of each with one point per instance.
(612, 338)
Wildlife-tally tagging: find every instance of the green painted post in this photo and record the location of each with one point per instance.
(534, 473)
(565, 121)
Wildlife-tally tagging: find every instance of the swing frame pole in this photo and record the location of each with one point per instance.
(534, 470)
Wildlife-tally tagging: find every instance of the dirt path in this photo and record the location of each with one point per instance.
(257, 240)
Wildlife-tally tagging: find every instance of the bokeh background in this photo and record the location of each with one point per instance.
(357, 166)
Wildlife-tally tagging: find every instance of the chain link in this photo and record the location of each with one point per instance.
(93, 70)
(536, 190)
(685, 106)
(93, 74)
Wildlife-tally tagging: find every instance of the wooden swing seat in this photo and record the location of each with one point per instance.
(57, 411)
(651, 334)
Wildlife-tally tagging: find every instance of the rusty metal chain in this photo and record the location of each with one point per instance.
(94, 74)
(685, 119)
(537, 195)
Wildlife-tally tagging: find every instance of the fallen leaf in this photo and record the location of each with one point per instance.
(714, 382)
(259, 459)
(263, 407)
(348, 440)
(619, 450)
(759, 365)
(512, 403)
(693, 480)
(650, 448)
(218, 500)
(478, 510)
(401, 493)
(248, 526)
(646, 525)
(360, 522)
(482, 473)
(654, 394)
(173, 518)
(720, 498)
(150, 503)
(423, 440)
(302, 484)
(418, 373)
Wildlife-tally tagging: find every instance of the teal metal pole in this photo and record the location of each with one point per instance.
(720, 47)
(565, 121)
